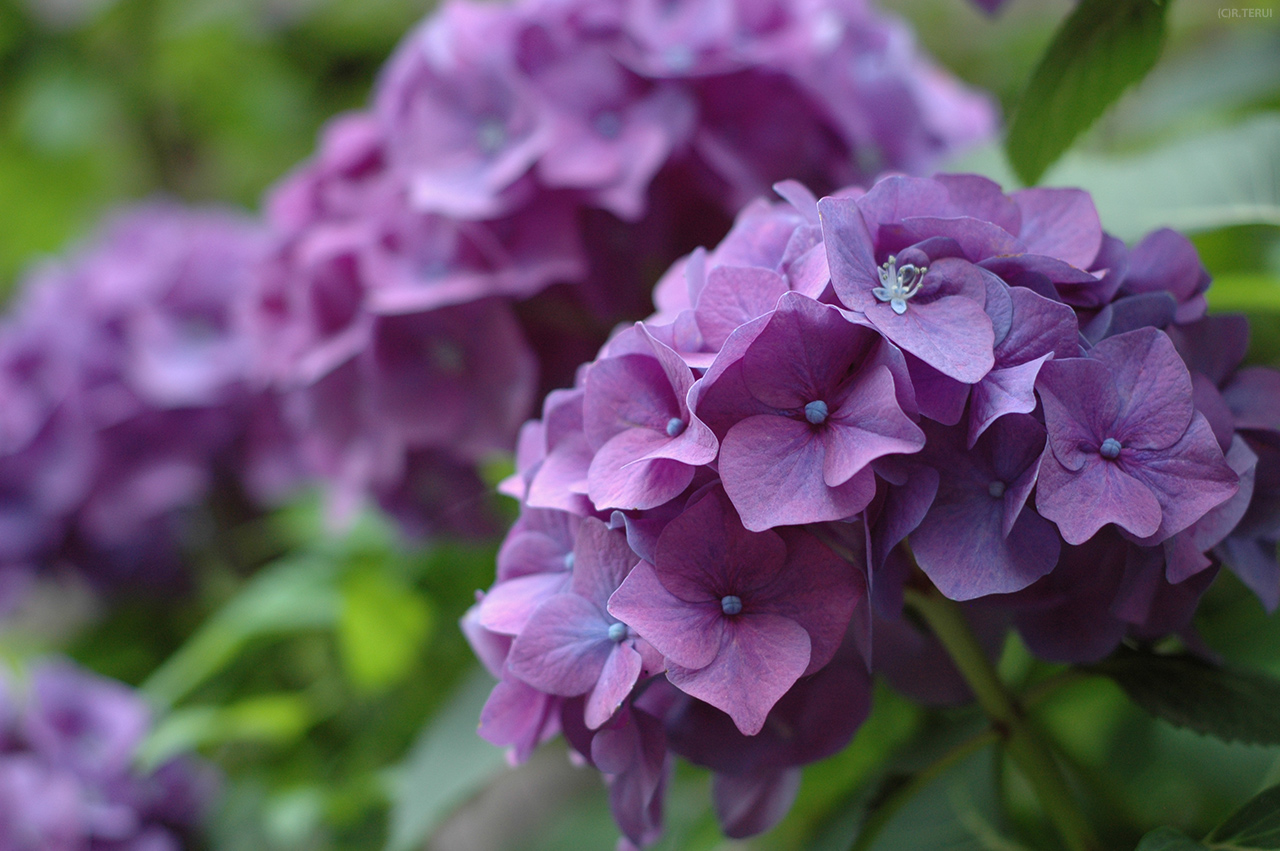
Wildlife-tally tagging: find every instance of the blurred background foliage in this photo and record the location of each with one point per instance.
(325, 672)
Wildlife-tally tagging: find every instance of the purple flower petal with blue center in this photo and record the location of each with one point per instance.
(1126, 445)
(636, 415)
(978, 537)
(739, 615)
(571, 645)
(932, 309)
(831, 410)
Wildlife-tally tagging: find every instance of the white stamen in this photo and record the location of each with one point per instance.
(898, 285)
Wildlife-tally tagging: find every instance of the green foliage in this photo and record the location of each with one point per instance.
(1168, 839)
(1186, 691)
(381, 628)
(1253, 827)
(275, 719)
(1256, 825)
(448, 763)
(1102, 48)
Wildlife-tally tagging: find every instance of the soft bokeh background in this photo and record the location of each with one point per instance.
(325, 672)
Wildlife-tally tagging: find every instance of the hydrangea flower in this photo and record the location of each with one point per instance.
(67, 775)
(127, 376)
(927, 382)
(559, 155)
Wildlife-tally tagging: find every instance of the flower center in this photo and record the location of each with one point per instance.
(1110, 449)
(730, 604)
(608, 125)
(617, 632)
(568, 560)
(491, 136)
(898, 285)
(816, 412)
(675, 427)
(996, 489)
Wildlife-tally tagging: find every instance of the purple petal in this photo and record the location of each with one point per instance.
(760, 657)
(507, 607)
(1081, 502)
(850, 252)
(601, 560)
(1061, 223)
(1153, 384)
(622, 477)
(953, 334)
(617, 678)
(686, 633)
(1081, 407)
(563, 647)
(706, 552)
(734, 296)
(748, 804)
(772, 468)
(1189, 478)
(867, 425)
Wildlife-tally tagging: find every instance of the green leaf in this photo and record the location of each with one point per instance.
(447, 764)
(1102, 48)
(382, 627)
(271, 719)
(1256, 825)
(1232, 705)
(292, 595)
(1243, 291)
(1168, 839)
(1211, 180)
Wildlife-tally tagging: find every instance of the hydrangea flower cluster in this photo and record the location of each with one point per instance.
(124, 370)
(68, 742)
(929, 382)
(571, 150)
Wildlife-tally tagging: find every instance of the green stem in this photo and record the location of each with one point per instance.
(1024, 745)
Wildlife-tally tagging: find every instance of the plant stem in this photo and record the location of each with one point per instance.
(1025, 746)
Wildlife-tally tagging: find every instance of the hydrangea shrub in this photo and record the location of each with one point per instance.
(927, 386)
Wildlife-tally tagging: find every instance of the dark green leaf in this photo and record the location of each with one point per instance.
(1232, 705)
(1102, 48)
(1255, 826)
(1168, 839)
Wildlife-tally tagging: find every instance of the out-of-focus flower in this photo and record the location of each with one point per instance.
(560, 155)
(126, 377)
(67, 774)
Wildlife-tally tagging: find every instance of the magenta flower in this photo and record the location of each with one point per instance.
(980, 537)
(739, 615)
(637, 419)
(1126, 445)
(571, 645)
(812, 403)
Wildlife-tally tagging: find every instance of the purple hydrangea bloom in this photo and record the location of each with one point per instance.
(929, 382)
(128, 378)
(560, 155)
(67, 775)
